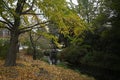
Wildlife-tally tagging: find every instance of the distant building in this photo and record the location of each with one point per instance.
(4, 33)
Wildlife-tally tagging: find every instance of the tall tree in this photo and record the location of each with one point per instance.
(11, 13)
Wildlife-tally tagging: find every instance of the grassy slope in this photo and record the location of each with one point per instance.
(27, 69)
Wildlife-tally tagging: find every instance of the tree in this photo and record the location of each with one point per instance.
(20, 16)
(12, 14)
(35, 41)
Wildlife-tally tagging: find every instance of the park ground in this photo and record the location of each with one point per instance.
(28, 69)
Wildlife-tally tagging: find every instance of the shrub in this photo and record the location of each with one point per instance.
(101, 59)
(29, 51)
(39, 53)
(72, 55)
(62, 64)
(92, 58)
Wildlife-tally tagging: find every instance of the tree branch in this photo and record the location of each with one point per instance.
(10, 24)
(34, 25)
(25, 29)
(29, 27)
(4, 26)
(29, 8)
(3, 22)
(31, 14)
(38, 38)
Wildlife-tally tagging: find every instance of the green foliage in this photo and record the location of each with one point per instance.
(29, 51)
(63, 64)
(39, 53)
(100, 46)
(44, 59)
(101, 59)
(72, 55)
(3, 48)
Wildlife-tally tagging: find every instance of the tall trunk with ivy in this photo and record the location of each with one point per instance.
(12, 52)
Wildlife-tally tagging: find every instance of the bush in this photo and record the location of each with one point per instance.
(92, 58)
(39, 53)
(29, 51)
(72, 55)
(62, 64)
(101, 59)
(4, 45)
(79, 55)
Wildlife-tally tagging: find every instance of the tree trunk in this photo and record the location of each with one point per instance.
(34, 53)
(33, 46)
(12, 52)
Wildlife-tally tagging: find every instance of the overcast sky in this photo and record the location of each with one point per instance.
(74, 1)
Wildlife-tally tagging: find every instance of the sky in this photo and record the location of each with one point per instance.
(74, 1)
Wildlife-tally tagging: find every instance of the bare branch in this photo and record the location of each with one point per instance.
(31, 14)
(7, 21)
(4, 26)
(38, 37)
(29, 27)
(34, 25)
(23, 31)
(3, 22)
(26, 29)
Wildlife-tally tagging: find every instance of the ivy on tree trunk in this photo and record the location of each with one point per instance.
(12, 52)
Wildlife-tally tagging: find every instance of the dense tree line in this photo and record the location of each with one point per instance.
(99, 44)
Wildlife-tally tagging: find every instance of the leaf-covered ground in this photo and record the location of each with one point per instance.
(27, 69)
